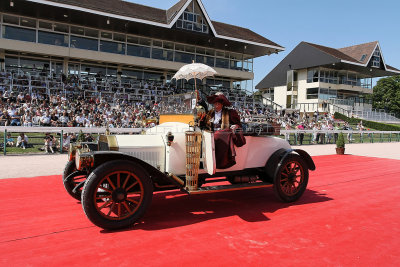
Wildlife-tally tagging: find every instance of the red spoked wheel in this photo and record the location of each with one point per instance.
(117, 194)
(291, 178)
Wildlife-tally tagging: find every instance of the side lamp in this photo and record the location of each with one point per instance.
(170, 138)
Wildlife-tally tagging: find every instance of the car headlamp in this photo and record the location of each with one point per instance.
(71, 152)
(83, 161)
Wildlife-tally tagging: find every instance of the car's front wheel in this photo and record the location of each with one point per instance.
(291, 178)
(71, 178)
(117, 194)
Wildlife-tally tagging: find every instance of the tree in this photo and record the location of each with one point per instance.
(387, 95)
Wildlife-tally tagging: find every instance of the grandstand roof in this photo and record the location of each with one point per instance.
(162, 18)
(308, 55)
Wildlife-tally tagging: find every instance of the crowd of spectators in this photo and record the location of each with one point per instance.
(36, 101)
(87, 102)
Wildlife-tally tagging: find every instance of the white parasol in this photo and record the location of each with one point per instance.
(194, 71)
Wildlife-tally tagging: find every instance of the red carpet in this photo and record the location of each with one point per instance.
(349, 216)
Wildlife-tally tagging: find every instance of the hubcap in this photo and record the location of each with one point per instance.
(118, 195)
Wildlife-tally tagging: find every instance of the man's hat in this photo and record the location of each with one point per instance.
(219, 97)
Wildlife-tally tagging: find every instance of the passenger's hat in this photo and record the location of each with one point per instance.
(219, 97)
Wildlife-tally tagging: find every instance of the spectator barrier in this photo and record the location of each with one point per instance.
(60, 131)
(330, 136)
(292, 136)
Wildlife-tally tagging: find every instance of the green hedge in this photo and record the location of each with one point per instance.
(368, 124)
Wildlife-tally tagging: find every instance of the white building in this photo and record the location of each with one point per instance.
(314, 77)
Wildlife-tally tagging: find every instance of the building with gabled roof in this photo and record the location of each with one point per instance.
(311, 75)
(125, 39)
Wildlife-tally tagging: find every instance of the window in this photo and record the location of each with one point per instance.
(45, 25)
(53, 38)
(312, 75)
(31, 23)
(84, 43)
(312, 93)
(77, 30)
(205, 60)
(132, 39)
(192, 20)
(376, 58)
(92, 33)
(138, 51)
(119, 37)
(111, 47)
(20, 34)
(11, 19)
(326, 94)
(184, 57)
(145, 41)
(363, 57)
(161, 54)
(61, 28)
(157, 43)
(222, 63)
(168, 45)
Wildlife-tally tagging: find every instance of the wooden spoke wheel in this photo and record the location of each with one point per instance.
(291, 178)
(71, 178)
(117, 194)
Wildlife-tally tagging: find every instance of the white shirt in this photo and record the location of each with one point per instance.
(217, 119)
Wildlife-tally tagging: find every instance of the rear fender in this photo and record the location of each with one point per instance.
(273, 162)
(276, 159)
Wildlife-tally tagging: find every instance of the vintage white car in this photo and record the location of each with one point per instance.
(115, 183)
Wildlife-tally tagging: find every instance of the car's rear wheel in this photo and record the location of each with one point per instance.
(117, 194)
(71, 178)
(291, 178)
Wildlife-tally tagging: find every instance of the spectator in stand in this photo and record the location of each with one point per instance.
(54, 119)
(45, 120)
(15, 119)
(64, 119)
(4, 118)
(27, 119)
(22, 141)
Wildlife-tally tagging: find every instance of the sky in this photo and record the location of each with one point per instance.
(338, 23)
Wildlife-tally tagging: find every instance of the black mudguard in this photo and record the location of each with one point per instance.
(278, 156)
(307, 158)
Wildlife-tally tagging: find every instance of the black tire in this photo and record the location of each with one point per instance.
(71, 181)
(117, 194)
(291, 178)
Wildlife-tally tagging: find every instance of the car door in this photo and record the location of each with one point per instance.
(209, 152)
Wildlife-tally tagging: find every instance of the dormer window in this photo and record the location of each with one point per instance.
(363, 57)
(192, 19)
(376, 58)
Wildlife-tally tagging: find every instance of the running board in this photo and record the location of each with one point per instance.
(224, 188)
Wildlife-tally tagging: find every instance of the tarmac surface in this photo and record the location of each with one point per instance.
(17, 166)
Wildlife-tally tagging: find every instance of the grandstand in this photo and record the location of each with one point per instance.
(118, 50)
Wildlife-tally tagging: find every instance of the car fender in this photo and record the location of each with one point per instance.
(273, 161)
(276, 159)
(307, 158)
